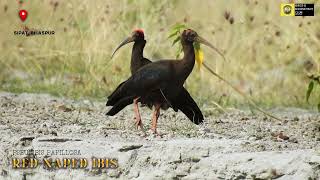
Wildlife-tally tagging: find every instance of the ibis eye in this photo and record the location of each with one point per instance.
(138, 35)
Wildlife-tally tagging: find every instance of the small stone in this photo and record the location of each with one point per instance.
(176, 158)
(282, 136)
(95, 171)
(27, 138)
(4, 173)
(134, 174)
(244, 119)
(205, 153)
(64, 108)
(183, 170)
(207, 130)
(293, 140)
(170, 135)
(195, 159)
(261, 147)
(252, 138)
(270, 174)
(54, 133)
(115, 173)
(130, 147)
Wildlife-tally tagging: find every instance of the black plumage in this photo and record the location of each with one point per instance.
(160, 83)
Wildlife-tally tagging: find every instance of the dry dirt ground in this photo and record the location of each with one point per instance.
(233, 145)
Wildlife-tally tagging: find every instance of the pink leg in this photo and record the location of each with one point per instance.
(155, 117)
(138, 121)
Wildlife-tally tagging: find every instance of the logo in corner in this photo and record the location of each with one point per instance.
(287, 9)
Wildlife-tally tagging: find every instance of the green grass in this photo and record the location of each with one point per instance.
(267, 54)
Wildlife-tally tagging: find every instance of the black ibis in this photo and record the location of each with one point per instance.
(137, 61)
(161, 83)
(186, 104)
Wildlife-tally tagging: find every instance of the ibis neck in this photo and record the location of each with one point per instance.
(137, 55)
(188, 60)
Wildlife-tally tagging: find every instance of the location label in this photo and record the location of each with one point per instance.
(23, 15)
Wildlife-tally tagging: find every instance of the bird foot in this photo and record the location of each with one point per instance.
(154, 131)
(138, 123)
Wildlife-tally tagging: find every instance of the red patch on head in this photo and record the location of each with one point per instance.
(140, 31)
(189, 30)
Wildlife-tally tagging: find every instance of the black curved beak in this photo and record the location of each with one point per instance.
(201, 40)
(124, 42)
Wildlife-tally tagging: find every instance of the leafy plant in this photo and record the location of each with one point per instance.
(314, 82)
(175, 35)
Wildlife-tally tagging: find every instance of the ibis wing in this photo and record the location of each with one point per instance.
(122, 103)
(116, 89)
(188, 106)
(148, 78)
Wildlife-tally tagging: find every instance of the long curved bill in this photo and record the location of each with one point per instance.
(205, 42)
(124, 42)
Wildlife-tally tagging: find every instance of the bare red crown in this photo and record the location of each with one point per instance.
(140, 31)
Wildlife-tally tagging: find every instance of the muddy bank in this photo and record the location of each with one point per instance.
(234, 145)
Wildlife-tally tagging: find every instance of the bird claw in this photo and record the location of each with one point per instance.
(154, 131)
(138, 123)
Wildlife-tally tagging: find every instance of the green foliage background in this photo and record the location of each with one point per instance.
(269, 56)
